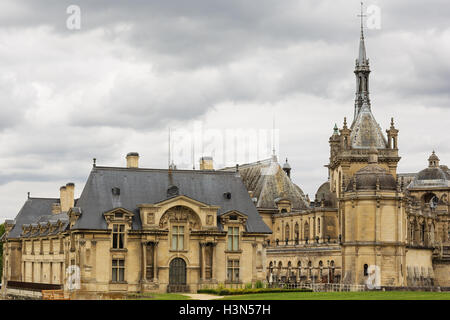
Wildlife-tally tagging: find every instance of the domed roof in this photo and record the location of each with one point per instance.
(324, 193)
(372, 176)
(369, 177)
(434, 176)
(436, 173)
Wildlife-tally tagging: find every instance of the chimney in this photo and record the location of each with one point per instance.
(133, 160)
(206, 163)
(67, 194)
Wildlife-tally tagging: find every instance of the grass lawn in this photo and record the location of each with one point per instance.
(366, 295)
(159, 296)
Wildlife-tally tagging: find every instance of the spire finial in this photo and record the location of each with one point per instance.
(94, 162)
(345, 122)
(169, 163)
(362, 15)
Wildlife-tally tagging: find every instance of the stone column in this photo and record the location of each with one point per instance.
(202, 261)
(214, 259)
(144, 261)
(155, 261)
(254, 261)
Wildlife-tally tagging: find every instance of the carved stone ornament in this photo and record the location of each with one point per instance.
(150, 218)
(180, 214)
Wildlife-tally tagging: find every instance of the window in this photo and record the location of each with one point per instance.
(422, 232)
(118, 236)
(118, 270)
(366, 270)
(51, 246)
(233, 238)
(233, 270)
(178, 238)
(318, 225)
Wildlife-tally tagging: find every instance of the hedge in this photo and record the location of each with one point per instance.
(226, 292)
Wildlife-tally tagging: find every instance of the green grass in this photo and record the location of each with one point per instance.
(158, 296)
(366, 295)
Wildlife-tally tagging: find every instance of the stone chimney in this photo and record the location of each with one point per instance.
(206, 163)
(133, 160)
(67, 194)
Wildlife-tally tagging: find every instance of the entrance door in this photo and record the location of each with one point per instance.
(177, 275)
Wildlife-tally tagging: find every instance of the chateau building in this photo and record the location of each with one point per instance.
(139, 230)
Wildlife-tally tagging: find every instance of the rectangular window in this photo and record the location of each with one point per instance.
(118, 270)
(233, 238)
(118, 236)
(178, 238)
(233, 270)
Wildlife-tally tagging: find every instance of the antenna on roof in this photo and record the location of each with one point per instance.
(273, 134)
(168, 161)
(193, 154)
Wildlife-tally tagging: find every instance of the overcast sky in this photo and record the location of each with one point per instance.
(136, 68)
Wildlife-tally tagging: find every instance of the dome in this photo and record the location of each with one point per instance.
(370, 176)
(434, 176)
(324, 193)
(436, 173)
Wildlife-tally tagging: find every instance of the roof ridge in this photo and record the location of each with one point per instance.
(161, 170)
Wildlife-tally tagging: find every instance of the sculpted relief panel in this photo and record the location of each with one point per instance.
(180, 214)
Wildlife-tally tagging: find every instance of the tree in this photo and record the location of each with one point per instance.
(2, 231)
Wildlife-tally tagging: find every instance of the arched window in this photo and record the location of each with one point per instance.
(318, 225)
(422, 232)
(411, 232)
(286, 232)
(366, 270)
(306, 230)
(296, 231)
(320, 269)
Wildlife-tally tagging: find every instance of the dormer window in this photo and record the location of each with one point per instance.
(233, 217)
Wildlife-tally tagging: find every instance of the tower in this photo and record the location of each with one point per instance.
(349, 146)
(373, 227)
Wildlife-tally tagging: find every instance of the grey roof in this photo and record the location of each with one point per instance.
(324, 194)
(268, 182)
(432, 177)
(369, 177)
(33, 212)
(139, 186)
(366, 132)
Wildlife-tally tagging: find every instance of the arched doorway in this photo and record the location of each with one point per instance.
(177, 276)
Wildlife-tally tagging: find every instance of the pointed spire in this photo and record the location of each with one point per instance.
(362, 60)
(362, 71)
(335, 129)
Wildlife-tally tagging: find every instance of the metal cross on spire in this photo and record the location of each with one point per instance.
(362, 16)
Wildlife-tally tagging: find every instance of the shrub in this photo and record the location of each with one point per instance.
(259, 284)
(226, 292)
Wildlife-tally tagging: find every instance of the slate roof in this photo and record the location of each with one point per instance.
(324, 194)
(35, 211)
(432, 177)
(366, 131)
(268, 182)
(138, 186)
(369, 176)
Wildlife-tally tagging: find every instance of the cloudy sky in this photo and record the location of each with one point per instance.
(136, 68)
